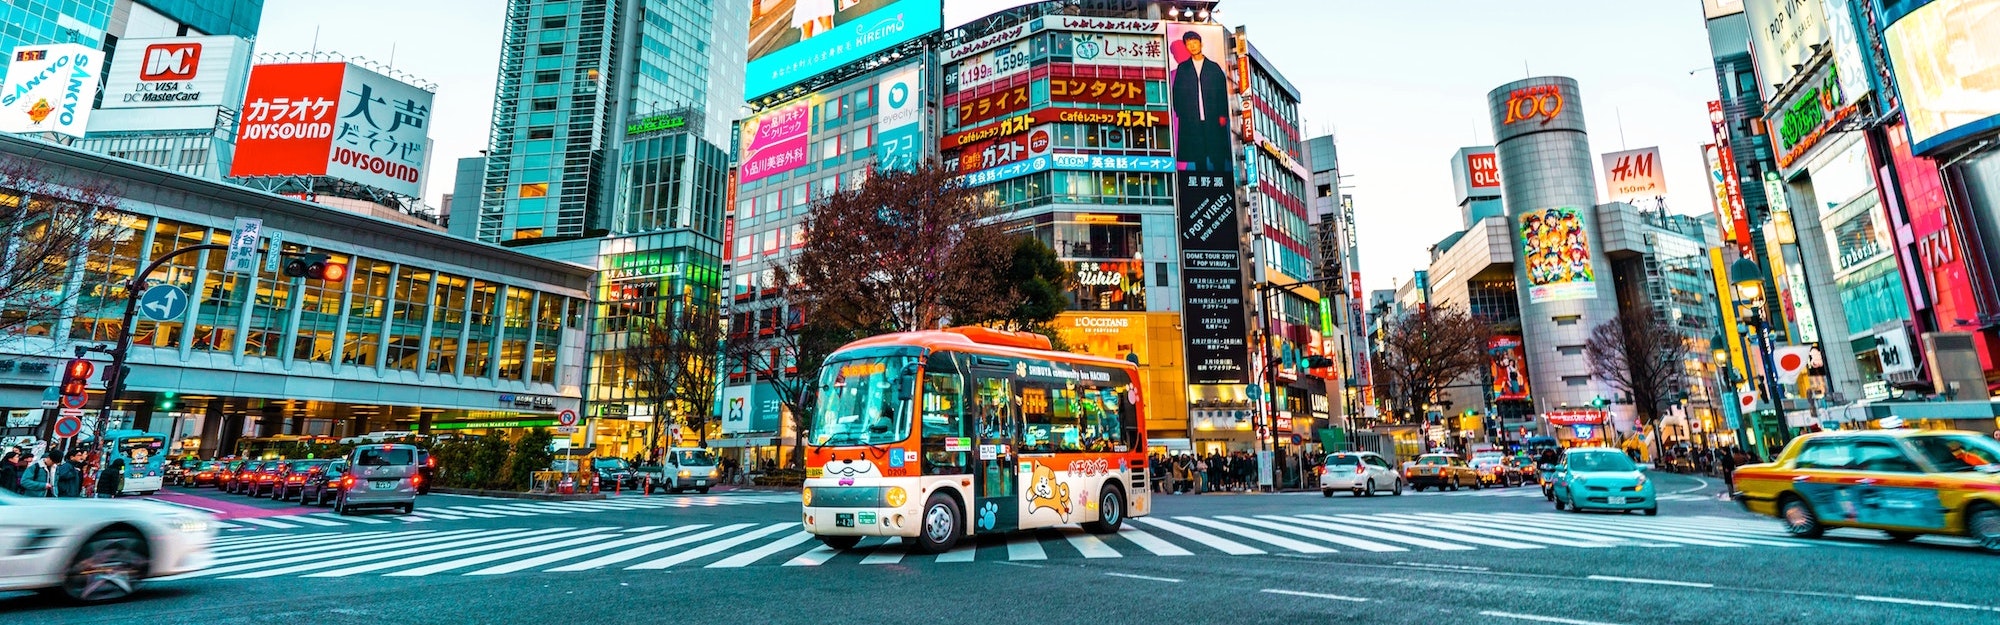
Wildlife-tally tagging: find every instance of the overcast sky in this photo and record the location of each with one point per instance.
(1402, 84)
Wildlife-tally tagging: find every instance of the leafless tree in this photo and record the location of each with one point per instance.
(49, 221)
(671, 358)
(1428, 350)
(1640, 356)
(789, 360)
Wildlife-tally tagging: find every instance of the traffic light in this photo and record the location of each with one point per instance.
(1318, 362)
(315, 266)
(1597, 403)
(167, 401)
(76, 377)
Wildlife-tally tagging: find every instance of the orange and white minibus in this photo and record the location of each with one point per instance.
(938, 435)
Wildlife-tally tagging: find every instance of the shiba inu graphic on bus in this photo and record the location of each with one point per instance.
(1045, 492)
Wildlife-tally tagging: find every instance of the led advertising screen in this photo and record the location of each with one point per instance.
(792, 40)
(775, 142)
(1555, 248)
(1947, 70)
(50, 89)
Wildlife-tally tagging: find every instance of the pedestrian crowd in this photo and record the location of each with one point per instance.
(1193, 473)
(57, 474)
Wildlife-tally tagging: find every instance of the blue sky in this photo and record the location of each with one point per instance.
(1402, 84)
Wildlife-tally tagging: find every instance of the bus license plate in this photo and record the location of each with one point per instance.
(843, 519)
(1617, 500)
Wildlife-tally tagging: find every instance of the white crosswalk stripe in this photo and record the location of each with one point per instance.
(507, 509)
(1531, 490)
(487, 551)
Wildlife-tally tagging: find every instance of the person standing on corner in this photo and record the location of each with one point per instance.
(69, 475)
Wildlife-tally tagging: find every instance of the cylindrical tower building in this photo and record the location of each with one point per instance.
(1562, 277)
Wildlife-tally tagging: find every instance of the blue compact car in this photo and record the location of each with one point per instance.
(1602, 478)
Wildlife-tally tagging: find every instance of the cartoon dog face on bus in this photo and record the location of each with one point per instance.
(850, 468)
(1045, 492)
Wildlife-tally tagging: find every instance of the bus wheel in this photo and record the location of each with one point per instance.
(941, 526)
(840, 543)
(1110, 512)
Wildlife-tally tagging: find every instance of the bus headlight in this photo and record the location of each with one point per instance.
(896, 496)
(806, 497)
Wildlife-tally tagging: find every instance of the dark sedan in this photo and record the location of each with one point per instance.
(207, 473)
(291, 478)
(257, 483)
(232, 478)
(323, 483)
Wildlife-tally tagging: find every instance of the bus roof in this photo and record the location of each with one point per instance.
(963, 340)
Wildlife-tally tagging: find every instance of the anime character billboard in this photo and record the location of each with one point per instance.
(1555, 250)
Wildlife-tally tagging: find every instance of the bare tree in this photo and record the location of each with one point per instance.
(1642, 357)
(1427, 351)
(48, 221)
(671, 358)
(790, 362)
(903, 251)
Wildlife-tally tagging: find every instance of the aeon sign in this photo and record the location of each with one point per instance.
(1529, 103)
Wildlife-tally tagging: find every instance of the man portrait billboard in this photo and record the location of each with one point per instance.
(1199, 91)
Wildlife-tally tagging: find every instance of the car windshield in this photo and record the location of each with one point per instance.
(1485, 462)
(864, 401)
(306, 465)
(1434, 460)
(610, 464)
(1343, 461)
(1594, 461)
(1957, 453)
(378, 457)
(694, 458)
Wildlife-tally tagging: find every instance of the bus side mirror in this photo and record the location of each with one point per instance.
(906, 385)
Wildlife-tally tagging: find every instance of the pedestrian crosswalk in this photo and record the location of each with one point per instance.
(413, 552)
(1534, 491)
(504, 508)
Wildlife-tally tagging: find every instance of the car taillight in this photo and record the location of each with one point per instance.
(431, 462)
(1358, 469)
(416, 480)
(347, 481)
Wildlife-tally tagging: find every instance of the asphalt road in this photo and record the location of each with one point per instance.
(1500, 556)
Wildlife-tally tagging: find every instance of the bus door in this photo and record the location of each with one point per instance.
(996, 442)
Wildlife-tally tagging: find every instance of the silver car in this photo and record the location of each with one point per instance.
(379, 476)
(1358, 472)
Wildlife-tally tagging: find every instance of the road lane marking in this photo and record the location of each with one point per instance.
(307, 542)
(1206, 539)
(1594, 540)
(1446, 567)
(592, 535)
(1643, 580)
(1025, 547)
(1149, 542)
(886, 553)
(1357, 543)
(1356, 520)
(628, 554)
(1145, 577)
(454, 542)
(817, 556)
(585, 550)
(1702, 486)
(265, 522)
(1264, 537)
(712, 548)
(966, 550)
(349, 519)
(310, 519)
(1526, 534)
(1090, 546)
(1315, 595)
(1692, 531)
(1541, 619)
(514, 541)
(314, 554)
(1929, 604)
(751, 557)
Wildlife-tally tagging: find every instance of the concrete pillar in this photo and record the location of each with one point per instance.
(216, 435)
(142, 418)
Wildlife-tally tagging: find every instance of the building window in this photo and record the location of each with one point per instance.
(366, 306)
(447, 321)
(527, 233)
(319, 313)
(547, 76)
(558, 21)
(406, 330)
(550, 49)
(542, 132)
(514, 333)
(535, 189)
(542, 104)
(480, 328)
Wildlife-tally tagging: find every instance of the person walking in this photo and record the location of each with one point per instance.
(38, 480)
(69, 475)
(111, 479)
(10, 472)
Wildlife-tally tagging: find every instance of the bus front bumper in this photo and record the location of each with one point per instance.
(862, 511)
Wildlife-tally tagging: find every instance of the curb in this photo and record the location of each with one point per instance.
(507, 494)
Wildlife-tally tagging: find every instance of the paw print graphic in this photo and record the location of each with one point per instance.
(987, 515)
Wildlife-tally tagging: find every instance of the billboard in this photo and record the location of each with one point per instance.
(961, 12)
(1105, 334)
(1117, 49)
(1108, 284)
(1199, 96)
(1946, 65)
(177, 71)
(775, 142)
(1071, 162)
(1000, 62)
(1482, 170)
(792, 40)
(1712, 9)
(1634, 177)
(899, 130)
(333, 119)
(1006, 150)
(50, 88)
(1784, 36)
(1555, 247)
(751, 408)
(1510, 368)
(1205, 199)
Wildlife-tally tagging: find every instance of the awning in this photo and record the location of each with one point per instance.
(1171, 444)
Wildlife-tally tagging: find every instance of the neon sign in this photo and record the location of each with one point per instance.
(1527, 103)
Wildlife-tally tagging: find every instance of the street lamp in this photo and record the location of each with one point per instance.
(1748, 279)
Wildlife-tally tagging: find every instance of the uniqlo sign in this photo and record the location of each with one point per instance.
(333, 119)
(170, 61)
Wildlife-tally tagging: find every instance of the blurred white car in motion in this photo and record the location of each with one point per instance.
(95, 550)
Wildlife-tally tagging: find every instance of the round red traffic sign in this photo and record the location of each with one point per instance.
(74, 401)
(68, 426)
(566, 418)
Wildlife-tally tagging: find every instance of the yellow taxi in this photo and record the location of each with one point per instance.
(1906, 483)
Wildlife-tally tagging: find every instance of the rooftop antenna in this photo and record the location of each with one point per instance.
(392, 55)
(315, 41)
(1621, 127)
(1525, 72)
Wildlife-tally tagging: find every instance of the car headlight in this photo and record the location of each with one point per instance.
(1642, 480)
(684, 473)
(192, 526)
(806, 496)
(711, 472)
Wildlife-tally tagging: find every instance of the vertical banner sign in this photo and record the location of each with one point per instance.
(776, 141)
(1211, 271)
(243, 245)
(1556, 250)
(900, 128)
(276, 258)
(1723, 172)
(1634, 177)
(50, 88)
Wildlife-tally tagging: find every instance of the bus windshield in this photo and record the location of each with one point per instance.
(864, 401)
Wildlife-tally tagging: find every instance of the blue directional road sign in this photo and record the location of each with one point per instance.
(163, 302)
